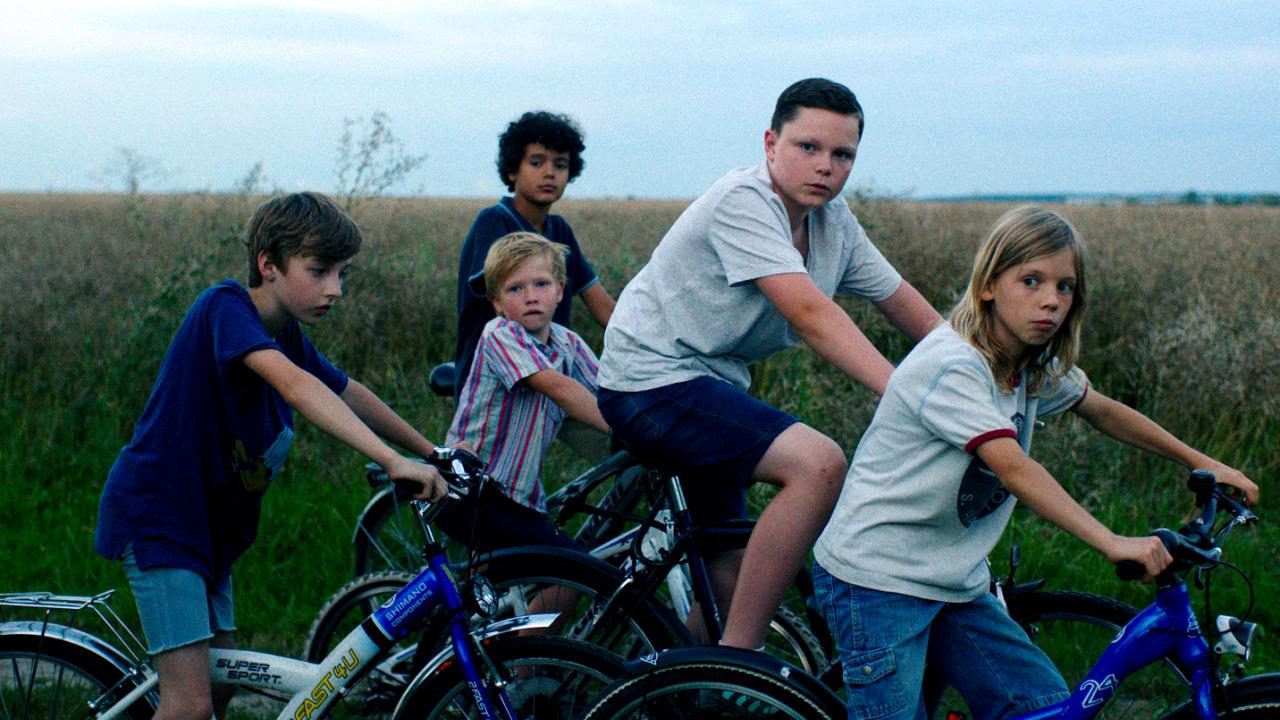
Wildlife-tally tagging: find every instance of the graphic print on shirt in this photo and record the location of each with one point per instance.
(256, 473)
(980, 491)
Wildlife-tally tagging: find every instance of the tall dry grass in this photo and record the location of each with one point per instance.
(1182, 325)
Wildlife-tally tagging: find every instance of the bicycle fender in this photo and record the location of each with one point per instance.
(724, 655)
(501, 627)
(90, 643)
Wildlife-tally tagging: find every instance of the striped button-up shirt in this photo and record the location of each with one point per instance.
(509, 424)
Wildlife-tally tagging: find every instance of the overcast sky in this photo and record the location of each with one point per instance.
(960, 98)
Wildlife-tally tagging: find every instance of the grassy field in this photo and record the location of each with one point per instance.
(1182, 325)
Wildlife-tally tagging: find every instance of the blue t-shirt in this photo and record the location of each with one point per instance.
(474, 307)
(187, 489)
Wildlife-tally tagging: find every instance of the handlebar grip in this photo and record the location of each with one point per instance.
(1130, 570)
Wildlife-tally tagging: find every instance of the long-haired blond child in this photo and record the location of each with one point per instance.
(933, 482)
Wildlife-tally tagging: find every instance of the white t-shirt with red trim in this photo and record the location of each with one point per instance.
(919, 511)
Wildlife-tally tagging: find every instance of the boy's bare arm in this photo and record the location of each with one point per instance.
(907, 309)
(599, 303)
(572, 396)
(305, 393)
(1034, 486)
(827, 328)
(1132, 427)
(383, 420)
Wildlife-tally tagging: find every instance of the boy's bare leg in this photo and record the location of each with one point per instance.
(809, 469)
(222, 693)
(184, 683)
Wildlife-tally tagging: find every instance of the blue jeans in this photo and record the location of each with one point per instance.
(884, 638)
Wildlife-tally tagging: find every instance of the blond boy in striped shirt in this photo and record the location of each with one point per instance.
(528, 375)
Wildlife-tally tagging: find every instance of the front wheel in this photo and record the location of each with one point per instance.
(545, 677)
(708, 682)
(51, 678)
(1256, 697)
(1073, 629)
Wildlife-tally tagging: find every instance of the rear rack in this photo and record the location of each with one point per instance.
(49, 603)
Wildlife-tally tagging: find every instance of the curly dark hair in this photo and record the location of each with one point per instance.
(552, 131)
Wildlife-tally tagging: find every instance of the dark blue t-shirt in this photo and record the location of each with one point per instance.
(474, 307)
(187, 489)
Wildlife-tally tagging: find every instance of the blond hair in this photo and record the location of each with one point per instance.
(1021, 235)
(511, 250)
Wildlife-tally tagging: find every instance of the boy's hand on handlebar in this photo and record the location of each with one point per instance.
(433, 485)
(1228, 475)
(1147, 551)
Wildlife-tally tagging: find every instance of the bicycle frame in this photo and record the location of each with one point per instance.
(311, 687)
(1166, 628)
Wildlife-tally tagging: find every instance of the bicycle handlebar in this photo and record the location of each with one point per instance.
(462, 470)
(1194, 545)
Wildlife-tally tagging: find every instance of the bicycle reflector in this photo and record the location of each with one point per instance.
(484, 595)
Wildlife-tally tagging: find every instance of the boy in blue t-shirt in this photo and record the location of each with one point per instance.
(182, 500)
(538, 156)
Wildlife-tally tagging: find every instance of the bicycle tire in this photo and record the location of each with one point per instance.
(55, 679)
(791, 640)
(349, 606)
(1073, 628)
(1256, 697)
(714, 683)
(623, 496)
(547, 677)
(388, 536)
(517, 573)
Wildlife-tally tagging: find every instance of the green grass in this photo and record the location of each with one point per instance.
(1182, 325)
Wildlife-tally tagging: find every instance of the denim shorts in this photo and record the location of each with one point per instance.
(883, 639)
(177, 607)
(710, 432)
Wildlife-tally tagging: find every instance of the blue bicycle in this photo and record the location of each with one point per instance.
(722, 683)
(485, 669)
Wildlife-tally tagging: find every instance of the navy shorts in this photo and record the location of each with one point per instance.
(710, 432)
(494, 521)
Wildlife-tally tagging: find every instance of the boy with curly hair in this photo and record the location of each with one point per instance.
(539, 154)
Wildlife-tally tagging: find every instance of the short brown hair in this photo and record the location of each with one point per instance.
(511, 250)
(819, 93)
(302, 223)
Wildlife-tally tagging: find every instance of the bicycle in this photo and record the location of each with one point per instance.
(54, 670)
(658, 551)
(1057, 620)
(1166, 629)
